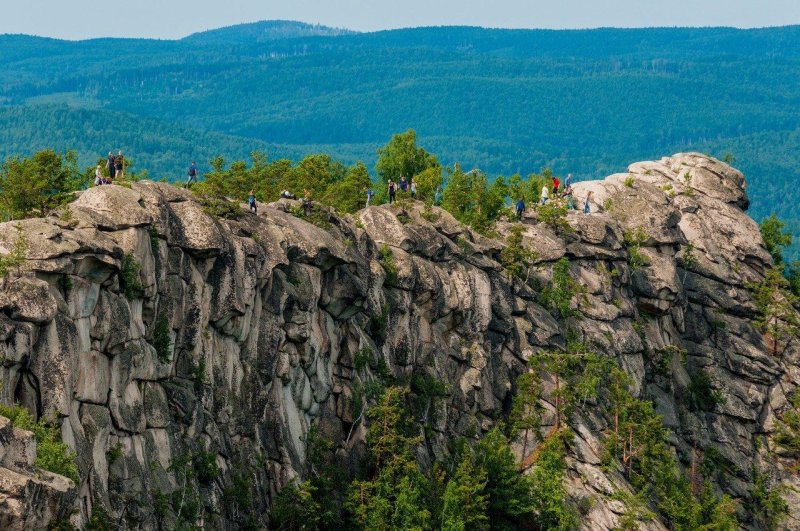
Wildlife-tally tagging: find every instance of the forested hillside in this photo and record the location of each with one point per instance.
(505, 101)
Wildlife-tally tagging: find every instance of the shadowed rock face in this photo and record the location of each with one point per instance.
(268, 315)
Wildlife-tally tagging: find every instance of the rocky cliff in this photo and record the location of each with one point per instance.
(182, 353)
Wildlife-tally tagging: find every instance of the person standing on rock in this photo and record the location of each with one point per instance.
(370, 195)
(520, 208)
(556, 184)
(110, 165)
(586, 208)
(251, 200)
(413, 188)
(192, 174)
(119, 164)
(403, 183)
(545, 194)
(392, 191)
(98, 176)
(306, 202)
(568, 184)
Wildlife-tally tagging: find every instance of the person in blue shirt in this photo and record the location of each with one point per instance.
(568, 183)
(251, 200)
(370, 195)
(586, 208)
(192, 174)
(403, 183)
(520, 208)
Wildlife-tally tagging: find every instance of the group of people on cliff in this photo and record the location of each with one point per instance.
(115, 169)
(116, 165)
(566, 194)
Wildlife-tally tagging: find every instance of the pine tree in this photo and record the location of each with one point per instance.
(465, 500)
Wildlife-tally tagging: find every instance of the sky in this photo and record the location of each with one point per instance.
(79, 19)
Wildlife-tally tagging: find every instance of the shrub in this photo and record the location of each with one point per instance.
(633, 241)
(386, 259)
(51, 454)
(515, 257)
(205, 467)
(130, 276)
(162, 339)
(557, 297)
(629, 180)
(554, 215)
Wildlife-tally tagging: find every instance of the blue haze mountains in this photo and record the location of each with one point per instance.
(581, 101)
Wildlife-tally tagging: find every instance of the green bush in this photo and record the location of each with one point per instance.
(51, 454)
(386, 259)
(129, 274)
(633, 241)
(162, 339)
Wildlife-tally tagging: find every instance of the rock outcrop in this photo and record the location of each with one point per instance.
(30, 498)
(160, 337)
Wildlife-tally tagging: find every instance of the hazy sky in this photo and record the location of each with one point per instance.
(76, 19)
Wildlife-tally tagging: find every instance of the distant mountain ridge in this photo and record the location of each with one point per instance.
(265, 31)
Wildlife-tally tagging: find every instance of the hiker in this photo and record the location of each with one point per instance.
(251, 200)
(437, 196)
(556, 184)
(286, 194)
(110, 165)
(370, 195)
(413, 188)
(119, 164)
(403, 183)
(586, 208)
(392, 191)
(568, 184)
(192, 173)
(545, 194)
(570, 201)
(306, 201)
(98, 176)
(520, 208)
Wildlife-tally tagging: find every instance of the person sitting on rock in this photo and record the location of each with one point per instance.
(586, 208)
(520, 208)
(251, 200)
(286, 194)
(545, 194)
(98, 176)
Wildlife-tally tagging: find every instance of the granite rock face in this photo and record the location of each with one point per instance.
(274, 325)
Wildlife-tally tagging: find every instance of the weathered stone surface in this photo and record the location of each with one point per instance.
(247, 333)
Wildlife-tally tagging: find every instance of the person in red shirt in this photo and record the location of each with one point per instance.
(556, 184)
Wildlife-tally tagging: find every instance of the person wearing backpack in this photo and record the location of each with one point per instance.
(251, 200)
(119, 164)
(370, 195)
(110, 165)
(192, 173)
